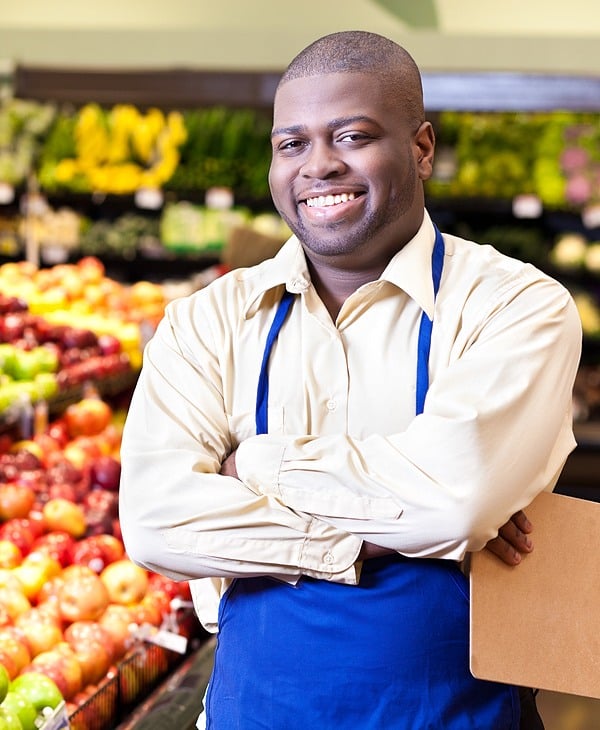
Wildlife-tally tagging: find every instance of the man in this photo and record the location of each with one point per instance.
(322, 438)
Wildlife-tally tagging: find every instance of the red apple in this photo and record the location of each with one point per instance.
(94, 660)
(81, 632)
(106, 473)
(150, 609)
(94, 647)
(116, 528)
(16, 500)
(62, 514)
(83, 597)
(59, 431)
(49, 591)
(173, 588)
(102, 501)
(117, 620)
(16, 648)
(125, 581)
(61, 491)
(88, 552)
(26, 459)
(10, 554)
(58, 544)
(20, 531)
(41, 631)
(87, 417)
(112, 547)
(61, 665)
(81, 451)
(34, 571)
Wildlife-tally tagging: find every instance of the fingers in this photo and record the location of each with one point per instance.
(521, 521)
(504, 550)
(515, 536)
(513, 540)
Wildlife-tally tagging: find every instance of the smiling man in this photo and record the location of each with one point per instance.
(321, 439)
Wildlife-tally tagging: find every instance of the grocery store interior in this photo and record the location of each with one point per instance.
(134, 150)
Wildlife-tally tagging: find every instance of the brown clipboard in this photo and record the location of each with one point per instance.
(538, 624)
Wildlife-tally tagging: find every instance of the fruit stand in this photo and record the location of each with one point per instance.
(85, 634)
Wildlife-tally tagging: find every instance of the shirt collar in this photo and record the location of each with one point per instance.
(409, 270)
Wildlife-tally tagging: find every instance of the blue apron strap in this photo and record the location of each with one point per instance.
(424, 342)
(262, 391)
(423, 346)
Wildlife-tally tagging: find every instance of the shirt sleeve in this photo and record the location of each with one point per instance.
(178, 514)
(496, 430)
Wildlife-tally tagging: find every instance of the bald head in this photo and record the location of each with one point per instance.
(357, 51)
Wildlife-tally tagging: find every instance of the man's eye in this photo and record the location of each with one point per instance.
(352, 137)
(290, 144)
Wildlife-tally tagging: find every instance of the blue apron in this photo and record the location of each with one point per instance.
(391, 653)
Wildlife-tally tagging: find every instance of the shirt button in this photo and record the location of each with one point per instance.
(331, 404)
(328, 558)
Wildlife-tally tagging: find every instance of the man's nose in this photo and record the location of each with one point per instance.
(323, 160)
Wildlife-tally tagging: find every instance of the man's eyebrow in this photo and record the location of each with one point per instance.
(331, 125)
(294, 129)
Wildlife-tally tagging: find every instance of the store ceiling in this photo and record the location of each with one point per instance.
(505, 35)
(490, 17)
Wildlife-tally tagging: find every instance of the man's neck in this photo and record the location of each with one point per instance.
(334, 285)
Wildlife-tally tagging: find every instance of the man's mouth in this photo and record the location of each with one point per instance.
(325, 201)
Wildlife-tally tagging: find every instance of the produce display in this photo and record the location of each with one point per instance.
(64, 326)
(23, 128)
(113, 151)
(554, 155)
(77, 617)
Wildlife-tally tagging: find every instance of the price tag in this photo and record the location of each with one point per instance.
(169, 640)
(33, 204)
(57, 719)
(527, 206)
(7, 193)
(149, 198)
(591, 216)
(219, 198)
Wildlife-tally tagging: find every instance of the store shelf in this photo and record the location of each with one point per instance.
(177, 702)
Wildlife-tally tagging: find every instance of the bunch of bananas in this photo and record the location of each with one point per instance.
(122, 150)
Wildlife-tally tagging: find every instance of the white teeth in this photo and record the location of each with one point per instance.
(322, 201)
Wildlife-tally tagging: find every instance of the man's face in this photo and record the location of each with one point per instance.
(346, 167)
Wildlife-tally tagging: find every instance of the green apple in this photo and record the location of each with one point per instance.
(22, 708)
(24, 365)
(47, 359)
(46, 384)
(4, 681)
(39, 689)
(9, 720)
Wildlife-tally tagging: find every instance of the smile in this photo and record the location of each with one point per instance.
(324, 201)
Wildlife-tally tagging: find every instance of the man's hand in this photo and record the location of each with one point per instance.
(370, 550)
(513, 540)
(228, 468)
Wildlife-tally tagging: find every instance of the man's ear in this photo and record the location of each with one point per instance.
(424, 141)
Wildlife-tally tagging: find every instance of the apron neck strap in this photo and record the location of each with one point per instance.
(423, 345)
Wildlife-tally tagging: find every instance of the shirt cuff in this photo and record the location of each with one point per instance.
(326, 552)
(329, 554)
(258, 462)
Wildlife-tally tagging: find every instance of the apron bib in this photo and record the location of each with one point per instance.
(391, 653)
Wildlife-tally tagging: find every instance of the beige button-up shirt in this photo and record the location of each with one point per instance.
(345, 459)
